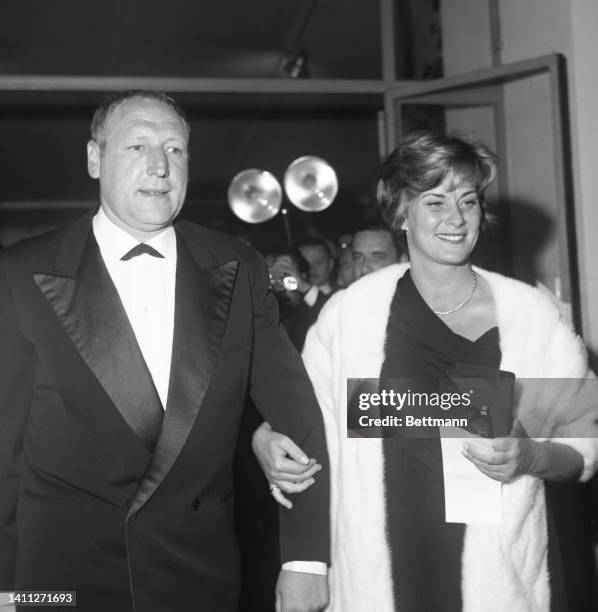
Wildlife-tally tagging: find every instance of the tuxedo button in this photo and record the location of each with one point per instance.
(195, 504)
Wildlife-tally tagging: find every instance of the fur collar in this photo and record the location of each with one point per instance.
(504, 567)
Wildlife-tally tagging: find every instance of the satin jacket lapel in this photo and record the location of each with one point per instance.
(202, 303)
(85, 300)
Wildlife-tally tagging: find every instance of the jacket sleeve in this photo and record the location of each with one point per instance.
(284, 395)
(17, 367)
(576, 415)
(556, 392)
(318, 356)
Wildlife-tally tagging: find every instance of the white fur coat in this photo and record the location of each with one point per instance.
(504, 567)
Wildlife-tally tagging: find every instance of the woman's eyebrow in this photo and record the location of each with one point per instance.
(433, 194)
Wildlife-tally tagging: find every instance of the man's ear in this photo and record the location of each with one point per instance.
(405, 225)
(93, 159)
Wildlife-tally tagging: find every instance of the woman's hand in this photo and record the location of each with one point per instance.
(504, 459)
(285, 465)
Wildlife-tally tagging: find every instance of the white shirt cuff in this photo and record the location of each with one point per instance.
(307, 567)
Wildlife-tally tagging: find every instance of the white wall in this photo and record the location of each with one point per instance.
(583, 92)
(531, 28)
(538, 27)
(465, 35)
(529, 161)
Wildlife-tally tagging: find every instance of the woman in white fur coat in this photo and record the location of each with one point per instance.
(391, 546)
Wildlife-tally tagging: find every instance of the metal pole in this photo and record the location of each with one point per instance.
(287, 226)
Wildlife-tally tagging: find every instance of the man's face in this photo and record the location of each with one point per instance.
(142, 166)
(372, 250)
(320, 264)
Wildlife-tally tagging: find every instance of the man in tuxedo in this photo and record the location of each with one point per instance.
(129, 343)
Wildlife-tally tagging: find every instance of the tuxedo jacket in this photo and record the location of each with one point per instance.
(298, 319)
(101, 490)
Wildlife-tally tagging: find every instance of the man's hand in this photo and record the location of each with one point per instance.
(285, 266)
(283, 463)
(301, 592)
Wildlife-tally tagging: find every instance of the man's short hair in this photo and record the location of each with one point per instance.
(295, 254)
(378, 224)
(110, 103)
(314, 241)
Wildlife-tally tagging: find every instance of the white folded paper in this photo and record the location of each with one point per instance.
(469, 495)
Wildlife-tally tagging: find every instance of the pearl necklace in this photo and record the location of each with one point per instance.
(442, 313)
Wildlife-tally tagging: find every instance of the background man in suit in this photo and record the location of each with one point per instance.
(128, 346)
(374, 247)
(313, 288)
(321, 265)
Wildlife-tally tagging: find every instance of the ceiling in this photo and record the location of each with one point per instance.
(44, 162)
(224, 38)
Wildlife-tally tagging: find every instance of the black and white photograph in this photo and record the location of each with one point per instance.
(299, 306)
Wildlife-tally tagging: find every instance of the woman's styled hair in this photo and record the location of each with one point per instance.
(422, 161)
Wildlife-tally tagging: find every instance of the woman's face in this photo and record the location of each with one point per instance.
(443, 224)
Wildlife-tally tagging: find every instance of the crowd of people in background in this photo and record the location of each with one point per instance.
(303, 277)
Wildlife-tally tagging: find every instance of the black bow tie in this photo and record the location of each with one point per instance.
(139, 250)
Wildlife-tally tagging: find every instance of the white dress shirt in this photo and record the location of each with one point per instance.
(311, 295)
(146, 286)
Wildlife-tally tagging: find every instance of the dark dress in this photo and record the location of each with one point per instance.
(425, 550)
